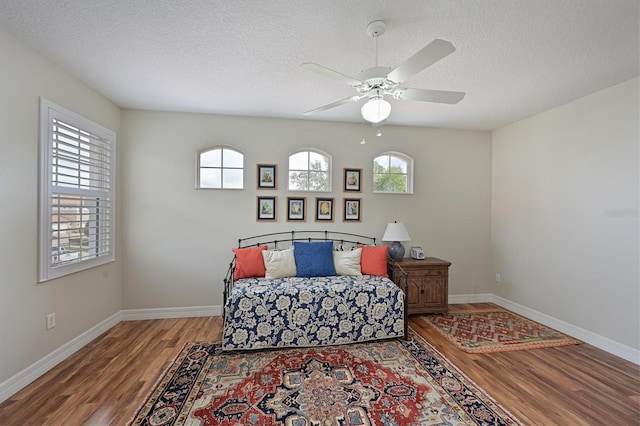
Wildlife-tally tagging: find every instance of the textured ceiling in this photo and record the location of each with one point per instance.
(514, 58)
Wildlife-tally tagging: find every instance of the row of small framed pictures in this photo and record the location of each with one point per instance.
(268, 178)
(297, 209)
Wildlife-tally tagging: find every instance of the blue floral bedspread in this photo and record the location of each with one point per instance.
(301, 312)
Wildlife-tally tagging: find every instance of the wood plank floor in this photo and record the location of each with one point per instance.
(103, 383)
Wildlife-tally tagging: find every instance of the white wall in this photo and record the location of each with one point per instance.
(178, 240)
(565, 213)
(82, 300)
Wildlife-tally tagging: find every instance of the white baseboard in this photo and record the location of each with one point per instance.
(14, 384)
(470, 298)
(163, 313)
(618, 349)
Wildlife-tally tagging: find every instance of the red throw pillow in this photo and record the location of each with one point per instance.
(374, 260)
(249, 262)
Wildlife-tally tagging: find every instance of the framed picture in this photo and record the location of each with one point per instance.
(352, 208)
(266, 208)
(297, 209)
(267, 176)
(352, 178)
(324, 209)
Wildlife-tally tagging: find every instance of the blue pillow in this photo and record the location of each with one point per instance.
(314, 259)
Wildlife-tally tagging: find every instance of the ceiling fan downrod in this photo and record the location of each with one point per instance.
(375, 29)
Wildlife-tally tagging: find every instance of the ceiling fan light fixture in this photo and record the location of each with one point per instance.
(376, 109)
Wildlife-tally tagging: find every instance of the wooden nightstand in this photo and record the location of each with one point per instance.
(428, 283)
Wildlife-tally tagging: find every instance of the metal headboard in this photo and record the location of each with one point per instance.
(276, 240)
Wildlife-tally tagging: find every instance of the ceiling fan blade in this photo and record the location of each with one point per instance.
(311, 66)
(424, 95)
(334, 104)
(428, 55)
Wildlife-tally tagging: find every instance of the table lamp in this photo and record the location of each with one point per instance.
(396, 232)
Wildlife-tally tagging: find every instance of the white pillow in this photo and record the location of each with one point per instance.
(279, 263)
(347, 262)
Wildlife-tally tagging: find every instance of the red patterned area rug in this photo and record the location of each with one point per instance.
(382, 383)
(495, 330)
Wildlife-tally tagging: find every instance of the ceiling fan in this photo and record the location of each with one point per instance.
(374, 83)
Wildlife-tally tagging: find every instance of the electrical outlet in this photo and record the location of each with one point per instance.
(51, 320)
(497, 278)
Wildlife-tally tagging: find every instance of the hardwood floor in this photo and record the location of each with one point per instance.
(103, 383)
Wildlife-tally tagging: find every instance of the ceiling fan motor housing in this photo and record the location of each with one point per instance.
(375, 78)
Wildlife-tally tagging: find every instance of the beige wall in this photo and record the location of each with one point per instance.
(82, 300)
(178, 240)
(565, 213)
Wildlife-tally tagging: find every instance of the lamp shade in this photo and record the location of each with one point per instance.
(376, 109)
(396, 232)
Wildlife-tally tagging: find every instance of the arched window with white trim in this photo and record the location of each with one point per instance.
(310, 170)
(393, 173)
(220, 167)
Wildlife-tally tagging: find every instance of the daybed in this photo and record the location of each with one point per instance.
(310, 288)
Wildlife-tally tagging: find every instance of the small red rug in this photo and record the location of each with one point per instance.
(392, 382)
(495, 330)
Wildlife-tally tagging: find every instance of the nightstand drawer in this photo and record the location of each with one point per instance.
(427, 272)
(435, 272)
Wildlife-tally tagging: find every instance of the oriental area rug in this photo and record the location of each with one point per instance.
(393, 382)
(495, 330)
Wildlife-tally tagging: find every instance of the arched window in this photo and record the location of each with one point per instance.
(310, 170)
(393, 173)
(220, 167)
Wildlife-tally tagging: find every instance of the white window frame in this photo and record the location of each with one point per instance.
(315, 151)
(410, 167)
(222, 167)
(101, 218)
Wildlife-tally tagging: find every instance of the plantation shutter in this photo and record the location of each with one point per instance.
(78, 182)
